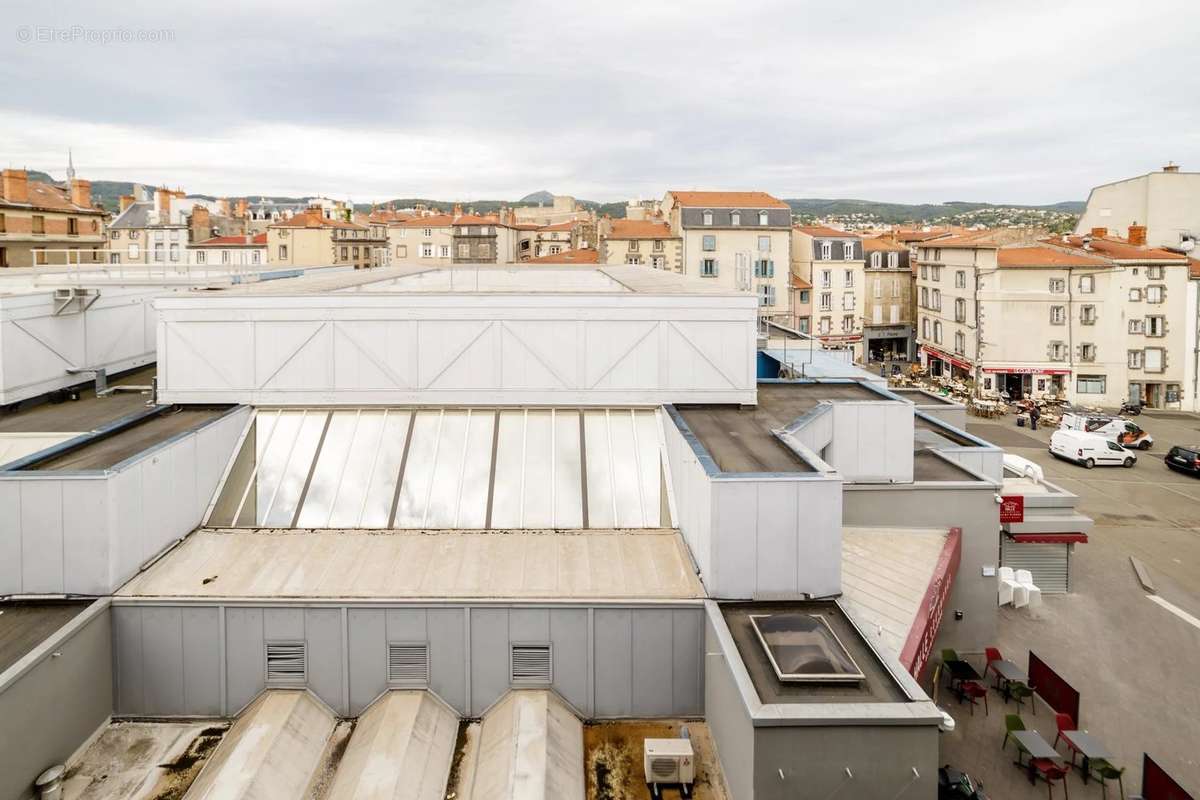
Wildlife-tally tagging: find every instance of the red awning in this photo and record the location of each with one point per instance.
(1026, 371)
(1049, 538)
(949, 359)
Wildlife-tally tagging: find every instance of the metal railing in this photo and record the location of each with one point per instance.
(71, 266)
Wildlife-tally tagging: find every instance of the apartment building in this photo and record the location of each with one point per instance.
(1166, 202)
(230, 250)
(549, 240)
(312, 239)
(262, 213)
(152, 227)
(735, 239)
(832, 262)
(1085, 318)
(41, 223)
(887, 301)
(484, 239)
(421, 240)
(640, 241)
(801, 290)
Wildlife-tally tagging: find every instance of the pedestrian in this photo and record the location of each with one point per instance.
(1034, 415)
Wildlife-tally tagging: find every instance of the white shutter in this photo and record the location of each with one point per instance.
(286, 663)
(877, 314)
(408, 663)
(895, 314)
(1049, 563)
(531, 664)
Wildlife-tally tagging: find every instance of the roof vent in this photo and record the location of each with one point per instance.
(286, 663)
(1171, 167)
(408, 664)
(531, 664)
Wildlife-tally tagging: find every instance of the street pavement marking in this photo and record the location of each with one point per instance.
(1176, 610)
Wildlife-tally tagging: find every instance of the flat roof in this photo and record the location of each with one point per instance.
(108, 450)
(877, 685)
(85, 414)
(929, 465)
(142, 760)
(932, 434)
(444, 565)
(25, 625)
(921, 396)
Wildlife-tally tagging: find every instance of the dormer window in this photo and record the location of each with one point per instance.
(735, 218)
(708, 218)
(876, 260)
(848, 251)
(762, 218)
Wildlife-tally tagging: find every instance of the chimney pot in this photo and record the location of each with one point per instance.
(16, 185)
(1137, 234)
(81, 192)
(1099, 233)
(126, 200)
(1171, 167)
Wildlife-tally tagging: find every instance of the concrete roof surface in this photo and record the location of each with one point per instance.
(25, 625)
(142, 760)
(626, 565)
(885, 573)
(85, 414)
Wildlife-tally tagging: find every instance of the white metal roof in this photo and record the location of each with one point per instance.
(401, 749)
(272, 751)
(19, 445)
(885, 573)
(594, 565)
(530, 748)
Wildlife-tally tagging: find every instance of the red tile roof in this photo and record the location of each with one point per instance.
(50, 198)
(1036, 256)
(568, 257)
(1194, 268)
(558, 226)
(387, 215)
(315, 219)
(874, 244)
(728, 199)
(1116, 248)
(966, 240)
(480, 219)
(259, 240)
(821, 230)
(639, 229)
(799, 283)
(435, 221)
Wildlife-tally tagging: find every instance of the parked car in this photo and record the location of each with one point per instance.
(1184, 459)
(1089, 449)
(1115, 429)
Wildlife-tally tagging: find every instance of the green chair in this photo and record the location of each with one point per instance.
(1105, 772)
(1019, 691)
(950, 655)
(1012, 723)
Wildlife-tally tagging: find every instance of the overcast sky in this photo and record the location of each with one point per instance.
(908, 101)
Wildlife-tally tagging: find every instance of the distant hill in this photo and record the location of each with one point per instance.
(902, 212)
(537, 197)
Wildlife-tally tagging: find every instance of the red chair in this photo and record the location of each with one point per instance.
(972, 690)
(1051, 772)
(1063, 722)
(992, 654)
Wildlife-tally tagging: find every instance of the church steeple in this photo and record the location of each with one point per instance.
(70, 166)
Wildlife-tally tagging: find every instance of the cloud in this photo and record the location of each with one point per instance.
(921, 101)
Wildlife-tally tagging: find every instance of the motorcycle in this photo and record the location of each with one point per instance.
(1130, 408)
(955, 784)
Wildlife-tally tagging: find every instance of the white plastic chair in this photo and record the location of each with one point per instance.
(1011, 591)
(1033, 593)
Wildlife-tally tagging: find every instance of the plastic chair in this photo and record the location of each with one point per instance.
(1105, 772)
(1051, 772)
(1019, 691)
(1034, 594)
(949, 654)
(973, 690)
(992, 654)
(1012, 723)
(1063, 722)
(1010, 590)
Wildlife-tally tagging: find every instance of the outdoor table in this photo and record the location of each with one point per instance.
(1031, 742)
(960, 671)
(1088, 746)
(1009, 673)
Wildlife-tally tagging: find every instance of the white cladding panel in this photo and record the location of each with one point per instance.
(872, 441)
(367, 348)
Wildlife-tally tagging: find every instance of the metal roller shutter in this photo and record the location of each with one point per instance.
(1049, 563)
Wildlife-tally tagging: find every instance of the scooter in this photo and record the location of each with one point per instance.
(1130, 408)
(955, 784)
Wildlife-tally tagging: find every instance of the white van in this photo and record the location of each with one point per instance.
(1089, 449)
(1115, 429)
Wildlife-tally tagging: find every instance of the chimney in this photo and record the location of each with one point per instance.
(126, 200)
(457, 210)
(242, 208)
(1137, 234)
(162, 205)
(1171, 167)
(223, 207)
(200, 225)
(16, 186)
(1099, 233)
(81, 192)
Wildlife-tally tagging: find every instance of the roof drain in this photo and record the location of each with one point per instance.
(49, 783)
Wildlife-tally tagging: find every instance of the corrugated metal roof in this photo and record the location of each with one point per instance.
(530, 748)
(401, 749)
(595, 565)
(885, 573)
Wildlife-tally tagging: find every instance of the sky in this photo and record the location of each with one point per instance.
(913, 101)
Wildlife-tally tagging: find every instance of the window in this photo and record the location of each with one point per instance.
(555, 249)
(708, 268)
(735, 218)
(764, 244)
(633, 245)
(1090, 384)
(401, 251)
(848, 279)
(1087, 314)
(960, 279)
(403, 233)
(531, 664)
(825, 327)
(935, 272)
(893, 260)
(708, 217)
(114, 235)
(464, 251)
(1057, 286)
(763, 218)
(826, 279)
(1137, 326)
(1087, 284)
(4, 228)
(805, 296)
(630, 258)
(39, 223)
(658, 245)
(708, 243)
(937, 299)
(924, 272)
(1087, 352)
(1156, 326)
(1154, 273)
(847, 251)
(925, 328)
(485, 251)
(937, 254)
(427, 232)
(255, 257)
(443, 251)
(895, 288)
(1058, 315)
(826, 251)
(201, 256)
(826, 301)
(72, 226)
(877, 289)
(1135, 359)
(764, 268)
(135, 251)
(658, 262)
(805, 325)
(766, 295)
(960, 342)
(408, 664)
(1155, 359)
(427, 250)
(937, 332)
(286, 664)
(848, 323)
(848, 301)
(1135, 295)
(960, 310)
(1155, 294)
(924, 297)
(876, 260)
(345, 253)
(225, 256)
(356, 252)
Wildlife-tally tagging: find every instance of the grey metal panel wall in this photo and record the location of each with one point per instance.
(202, 661)
(326, 659)
(127, 660)
(687, 633)
(447, 655)
(653, 645)
(489, 657)
(732, 730)
(366, 638)
(162, 646)
(614, 662)
(569, 633)
(245, 669)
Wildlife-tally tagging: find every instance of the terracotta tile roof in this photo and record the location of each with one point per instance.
(920, 236)
(1116, 248)
(568, 257)
(259, 240)
(823, 231)
(315, 219)
(1194, 268)
(558, 226)
(435, 221)
(874, 244)
(639, 229)
(799, 283)
(388, 216)
(480, 219)
(966, 240)
(728, 199)
(48, 197)
(1036, 256)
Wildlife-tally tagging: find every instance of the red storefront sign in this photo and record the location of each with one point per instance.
(923, 633)
(1012, 508)
(958, 362)
(1026, 371)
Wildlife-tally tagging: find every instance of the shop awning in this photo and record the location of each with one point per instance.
(958, 362)
(1044, 523)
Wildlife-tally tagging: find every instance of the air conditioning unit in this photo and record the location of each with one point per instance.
(669, 761)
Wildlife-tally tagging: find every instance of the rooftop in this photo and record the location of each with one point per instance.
(1044, 257)
(48, 197)
(259, 240)
(580, 256)
(824, 231)
(873, 244)
(315, 219)
(25, 625)
(1116, 248)
(88, 413)
(728, 199)
(639, 229)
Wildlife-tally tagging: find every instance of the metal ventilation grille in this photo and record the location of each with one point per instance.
(286, 663)
(408, 663)
(663, 768)
(531, 663)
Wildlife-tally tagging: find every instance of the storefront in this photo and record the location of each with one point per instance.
(888, 342)
(1022, 382)
(1046, 555)
(939, 363)
(851, 342)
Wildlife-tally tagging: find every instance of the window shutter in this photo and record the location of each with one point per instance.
(531, 664)
(771, 271)
(408, 663)
(286, 663)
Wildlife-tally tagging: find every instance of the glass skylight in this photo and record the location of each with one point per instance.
(802, 647)
(446, 468)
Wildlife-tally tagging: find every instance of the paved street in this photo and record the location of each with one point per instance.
(1135, 663)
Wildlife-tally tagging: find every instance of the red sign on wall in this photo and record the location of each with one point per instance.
(1012, 508)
